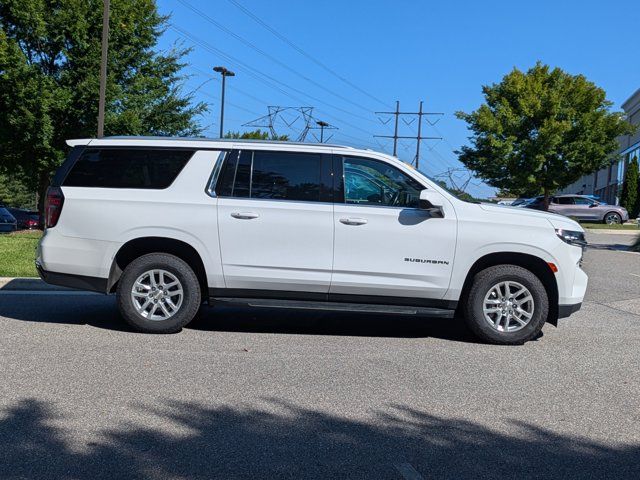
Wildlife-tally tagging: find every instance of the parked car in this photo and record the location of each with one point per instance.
(7, 221)
(583, 208)
(519, 202)
(167, 224)
(26, 219)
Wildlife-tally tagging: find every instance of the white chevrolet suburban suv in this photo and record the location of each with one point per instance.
(169, 224)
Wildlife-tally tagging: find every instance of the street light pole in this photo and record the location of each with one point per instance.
(103, 68)
(225, 73)
(322, 124)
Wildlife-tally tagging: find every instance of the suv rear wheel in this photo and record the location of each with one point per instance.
(506, 305)
(158, 293)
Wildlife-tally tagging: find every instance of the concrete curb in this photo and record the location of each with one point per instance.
(607, 231)
(24, 283)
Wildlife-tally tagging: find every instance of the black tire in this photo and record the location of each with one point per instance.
(483, 282)
(191, 301)
(608, 214)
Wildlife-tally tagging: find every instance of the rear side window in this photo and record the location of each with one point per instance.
(127, 168)
(271, 175)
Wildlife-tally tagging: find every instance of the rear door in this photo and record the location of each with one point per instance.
(384, 244)
(562, 206)
(276, 221)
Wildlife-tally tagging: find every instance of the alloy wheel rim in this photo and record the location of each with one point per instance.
(508, 306)
(157, 295)
(612, 218)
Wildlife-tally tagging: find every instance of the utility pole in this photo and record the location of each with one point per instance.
(417, 137)
(225, 73)
(103, 68)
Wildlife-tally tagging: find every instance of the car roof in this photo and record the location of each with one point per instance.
(197, 142)
(226, 143)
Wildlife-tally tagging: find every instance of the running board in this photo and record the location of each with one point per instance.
(335, 306)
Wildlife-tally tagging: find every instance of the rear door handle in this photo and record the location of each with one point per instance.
(353, 221)
(245, 215)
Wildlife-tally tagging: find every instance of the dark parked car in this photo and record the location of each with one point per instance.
(583, 208)
(7, 221)
(27, 219)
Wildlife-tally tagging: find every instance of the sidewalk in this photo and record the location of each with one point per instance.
(608, 231)
(30, 284)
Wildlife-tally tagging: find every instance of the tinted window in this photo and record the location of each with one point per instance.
(370, 182)
(271, 175)
(583, 201)
(127, 168)
(565, 200)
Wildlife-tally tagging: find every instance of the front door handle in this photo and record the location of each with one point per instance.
(245, 215)
(353, 221)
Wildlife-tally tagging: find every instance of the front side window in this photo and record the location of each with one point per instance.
(271, 175)
(127, 168)
(583, 201)
(371, 182)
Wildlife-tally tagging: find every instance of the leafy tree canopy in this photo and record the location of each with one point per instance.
(256, 135)
(14, 192)
(49, 80)
(541, 130)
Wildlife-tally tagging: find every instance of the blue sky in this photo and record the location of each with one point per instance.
(440, 52)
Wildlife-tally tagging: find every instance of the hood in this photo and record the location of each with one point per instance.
(556, 220)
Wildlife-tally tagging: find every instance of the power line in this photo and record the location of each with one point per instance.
(303, 52)
(268, 79)
(268, 55)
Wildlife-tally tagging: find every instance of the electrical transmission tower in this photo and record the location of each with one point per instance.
(418, 138)
(302, 115)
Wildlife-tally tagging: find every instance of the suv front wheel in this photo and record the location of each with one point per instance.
(506, 305)
(158, 293)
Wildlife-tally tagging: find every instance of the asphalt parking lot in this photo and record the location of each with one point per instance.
(297, 394)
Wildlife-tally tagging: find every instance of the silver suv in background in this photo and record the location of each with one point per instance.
(583, 208)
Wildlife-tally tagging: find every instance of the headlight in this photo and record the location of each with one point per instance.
(572, 237)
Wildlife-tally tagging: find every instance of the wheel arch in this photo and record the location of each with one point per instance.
(137, 247)
(534, 264)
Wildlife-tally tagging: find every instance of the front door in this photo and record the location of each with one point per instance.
(384, 244)
(275, 221)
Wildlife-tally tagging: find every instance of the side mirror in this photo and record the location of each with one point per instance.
(593, 205)
(432, 201)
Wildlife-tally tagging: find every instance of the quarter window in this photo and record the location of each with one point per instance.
(127, 168)
(370, 182)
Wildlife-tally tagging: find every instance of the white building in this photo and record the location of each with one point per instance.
(606, 183)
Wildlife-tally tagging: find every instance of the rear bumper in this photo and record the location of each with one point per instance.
(566, 310)
(80, 282)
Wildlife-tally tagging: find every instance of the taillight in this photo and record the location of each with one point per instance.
(53, 206)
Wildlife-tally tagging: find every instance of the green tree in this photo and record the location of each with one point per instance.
(541, 130)
(256, 135)
(49, 78)
(14, 192)
(630, 198)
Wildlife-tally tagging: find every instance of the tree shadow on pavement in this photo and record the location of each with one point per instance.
(281, 440)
